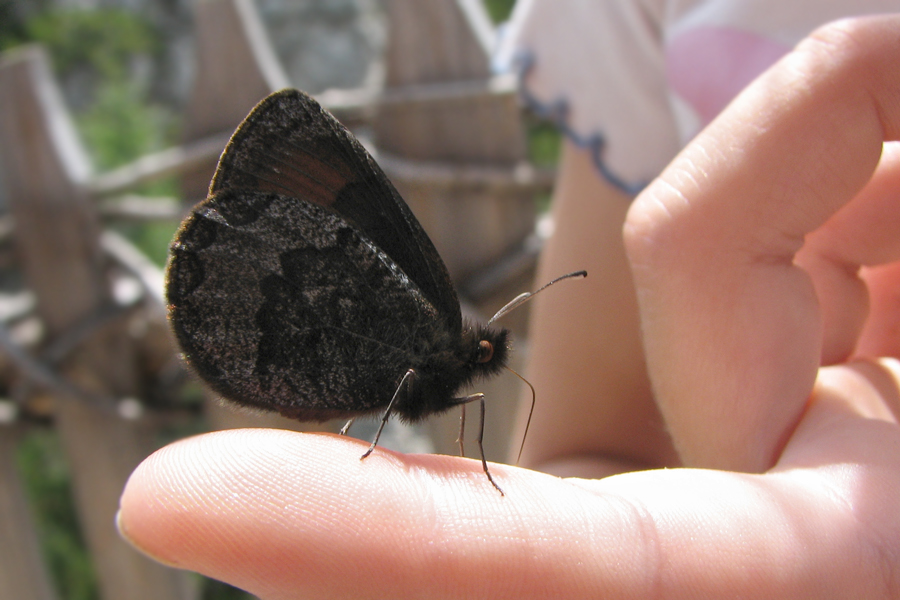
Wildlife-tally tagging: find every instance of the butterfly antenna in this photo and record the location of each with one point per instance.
(530, 412)
(525, 296)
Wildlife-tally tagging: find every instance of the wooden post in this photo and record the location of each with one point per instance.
(236, 67)
(56, 238)
(446, 41)
(23, 573)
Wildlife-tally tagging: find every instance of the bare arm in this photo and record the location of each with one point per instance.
(595, 414)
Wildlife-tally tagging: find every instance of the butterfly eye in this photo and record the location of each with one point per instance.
(485, 352)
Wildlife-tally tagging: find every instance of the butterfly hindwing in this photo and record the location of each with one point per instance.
(280, 303)
(289, 145)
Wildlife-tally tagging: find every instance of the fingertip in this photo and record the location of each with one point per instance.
(271, 510)
(154, 503)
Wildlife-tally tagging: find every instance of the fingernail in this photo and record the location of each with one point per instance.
(123, 532)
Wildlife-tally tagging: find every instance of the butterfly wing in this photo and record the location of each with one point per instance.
(291, 146)
(281, 304)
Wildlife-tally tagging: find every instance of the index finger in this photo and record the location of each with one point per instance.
(292, 515)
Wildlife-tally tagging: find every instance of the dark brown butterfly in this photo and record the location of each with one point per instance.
(304, 284)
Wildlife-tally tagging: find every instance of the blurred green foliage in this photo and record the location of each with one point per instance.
(119, 126)
(544, 142)
(102, 39)
(46, 477)
(499, 9)
(11, 29)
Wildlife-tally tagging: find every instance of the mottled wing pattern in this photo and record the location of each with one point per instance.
(280, 303)
(289, 145)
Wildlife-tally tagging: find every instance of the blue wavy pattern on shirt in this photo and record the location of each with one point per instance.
(557, 112)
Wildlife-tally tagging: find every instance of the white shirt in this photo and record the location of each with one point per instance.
(635, 80)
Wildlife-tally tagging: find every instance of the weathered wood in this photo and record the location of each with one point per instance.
(446, 42)
(56, 237)
(443, 42)
(33, 370)
(126, 255)
(22, 570)
(172, 161)
(360, 100)
(520, 262)
(236, 68)
(136, 208)
(521, 177)
(437, 41)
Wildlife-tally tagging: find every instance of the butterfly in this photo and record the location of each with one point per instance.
(303, 283)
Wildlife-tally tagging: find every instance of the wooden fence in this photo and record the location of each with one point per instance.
(449, 135)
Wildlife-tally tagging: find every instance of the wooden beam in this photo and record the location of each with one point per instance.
(236, 67)
(177, 160)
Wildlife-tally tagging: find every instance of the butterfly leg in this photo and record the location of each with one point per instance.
(462, 429)
(346, 427)
(480, 439)
(407, 380)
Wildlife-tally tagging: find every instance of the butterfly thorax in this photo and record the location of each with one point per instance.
(448, 364)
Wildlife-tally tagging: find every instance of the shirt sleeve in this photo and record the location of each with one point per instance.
(596, 69)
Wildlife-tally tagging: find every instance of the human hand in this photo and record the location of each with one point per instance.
(734, 341)
(747, 251)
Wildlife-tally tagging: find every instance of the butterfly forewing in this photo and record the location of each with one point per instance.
(290, 145)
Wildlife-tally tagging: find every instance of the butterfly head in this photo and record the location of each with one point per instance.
(489, 349)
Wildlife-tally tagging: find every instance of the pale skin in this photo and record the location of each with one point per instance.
(744, 253)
